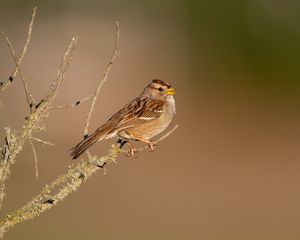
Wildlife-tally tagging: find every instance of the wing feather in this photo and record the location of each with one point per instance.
(137, 111)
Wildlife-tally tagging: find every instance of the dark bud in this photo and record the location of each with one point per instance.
(49, 201)
(102, 166)
(77, 103)
(85, 136)
(39, 103)
(10, 78)
(81, 176)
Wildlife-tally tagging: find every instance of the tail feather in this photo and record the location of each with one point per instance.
(86, 143)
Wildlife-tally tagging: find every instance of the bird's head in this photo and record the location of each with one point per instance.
(159, 89)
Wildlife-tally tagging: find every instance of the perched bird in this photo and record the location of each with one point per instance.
(139, 120)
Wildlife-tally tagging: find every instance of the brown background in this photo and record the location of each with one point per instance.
(231, 171)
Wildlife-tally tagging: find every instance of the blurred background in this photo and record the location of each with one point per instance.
(230, 171)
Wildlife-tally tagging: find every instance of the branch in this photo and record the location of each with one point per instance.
(103, 80)
(16, 139)
(40, 112)
(31, 139)
(42, 141)
(35, 159)
(160, 139)
(29, 97)
(4, 85)
(74, 104)
(60, 188)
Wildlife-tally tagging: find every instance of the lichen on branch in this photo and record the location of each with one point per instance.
(15, 139)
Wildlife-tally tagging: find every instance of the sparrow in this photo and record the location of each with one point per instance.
(139, 120)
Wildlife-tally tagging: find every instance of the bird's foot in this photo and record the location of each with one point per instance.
(131, 152)
(152, 146)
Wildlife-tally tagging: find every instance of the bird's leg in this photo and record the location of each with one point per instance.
(122, 142)
(152, 145)
(132, 150)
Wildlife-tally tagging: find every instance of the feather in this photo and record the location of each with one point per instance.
(99, 134)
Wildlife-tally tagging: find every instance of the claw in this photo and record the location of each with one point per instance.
(152, 146)
(132, 149)
(131, 152)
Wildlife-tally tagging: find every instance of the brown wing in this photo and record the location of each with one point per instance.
(148, 109)
(137, 111)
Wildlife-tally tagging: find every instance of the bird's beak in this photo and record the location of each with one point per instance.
(171, 91)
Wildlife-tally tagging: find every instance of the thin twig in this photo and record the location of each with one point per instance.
(42, 141)
(168, 133)
(72, 105)
(35, 159)
(158, 140)
(103, 80)
(61, 72)
(29, 97)
(4, 85)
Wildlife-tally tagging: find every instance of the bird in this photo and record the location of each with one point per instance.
(140, 119)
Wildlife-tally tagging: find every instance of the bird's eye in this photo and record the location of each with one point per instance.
(160, 89)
